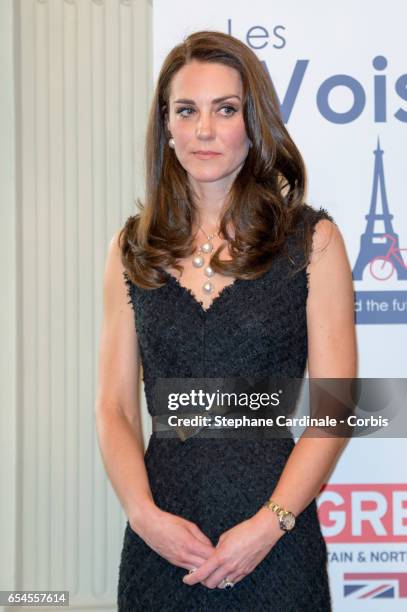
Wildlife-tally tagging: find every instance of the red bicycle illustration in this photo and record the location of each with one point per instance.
(382, 266)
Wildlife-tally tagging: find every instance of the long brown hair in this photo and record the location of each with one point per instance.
(265, 201)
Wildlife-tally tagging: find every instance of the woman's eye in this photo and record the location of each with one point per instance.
(230, 110)
(184, 111)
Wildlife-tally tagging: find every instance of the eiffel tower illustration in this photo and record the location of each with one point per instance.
(375, 243)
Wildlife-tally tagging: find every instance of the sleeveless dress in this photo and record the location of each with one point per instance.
(253, 328)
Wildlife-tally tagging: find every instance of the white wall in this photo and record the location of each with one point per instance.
(8, 305)
(82, 92)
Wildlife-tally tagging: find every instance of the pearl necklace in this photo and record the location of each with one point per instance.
(199, 261)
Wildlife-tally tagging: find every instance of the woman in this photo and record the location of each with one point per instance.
(225, 272)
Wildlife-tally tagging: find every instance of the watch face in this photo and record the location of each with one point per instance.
(287, 521)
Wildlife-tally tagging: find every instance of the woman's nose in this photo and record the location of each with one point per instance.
(205, 126)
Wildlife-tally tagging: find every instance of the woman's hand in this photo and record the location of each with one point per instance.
(239, 551)
(176, 539)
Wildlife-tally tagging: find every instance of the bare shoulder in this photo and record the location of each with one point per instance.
(326, 237)
(114, 251)
(330, 305)
(115, 290)
(328, 266)
(119, 351)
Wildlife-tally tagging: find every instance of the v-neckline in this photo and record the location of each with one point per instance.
(218, 297)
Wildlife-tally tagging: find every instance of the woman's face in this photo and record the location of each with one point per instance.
(206, 121)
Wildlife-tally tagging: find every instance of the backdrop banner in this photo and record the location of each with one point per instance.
(340, 73)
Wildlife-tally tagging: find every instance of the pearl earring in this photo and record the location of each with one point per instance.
(171, 143)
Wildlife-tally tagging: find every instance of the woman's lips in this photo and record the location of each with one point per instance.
(205, 154)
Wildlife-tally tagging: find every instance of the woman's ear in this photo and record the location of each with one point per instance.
(167, 126)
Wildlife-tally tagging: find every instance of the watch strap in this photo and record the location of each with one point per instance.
(277, 509)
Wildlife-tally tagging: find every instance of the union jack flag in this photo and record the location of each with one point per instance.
(374, 585)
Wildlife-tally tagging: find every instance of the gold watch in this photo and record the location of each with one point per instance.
(286, 518)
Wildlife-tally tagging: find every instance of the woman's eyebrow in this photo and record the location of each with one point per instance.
(215, 101)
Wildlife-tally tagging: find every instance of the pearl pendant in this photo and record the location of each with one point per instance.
(208, 271)
(207, 287)
(198, 261)
(207, 247)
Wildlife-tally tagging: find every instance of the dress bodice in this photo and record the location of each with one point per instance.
(253, 328)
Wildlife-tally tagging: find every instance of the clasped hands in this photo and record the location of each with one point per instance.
(238, 551)
(181, 542)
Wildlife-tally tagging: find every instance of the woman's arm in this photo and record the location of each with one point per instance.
(331, 354)
(118, 419)
(118, 422)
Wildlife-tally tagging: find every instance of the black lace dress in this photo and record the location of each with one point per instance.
(254, 328)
